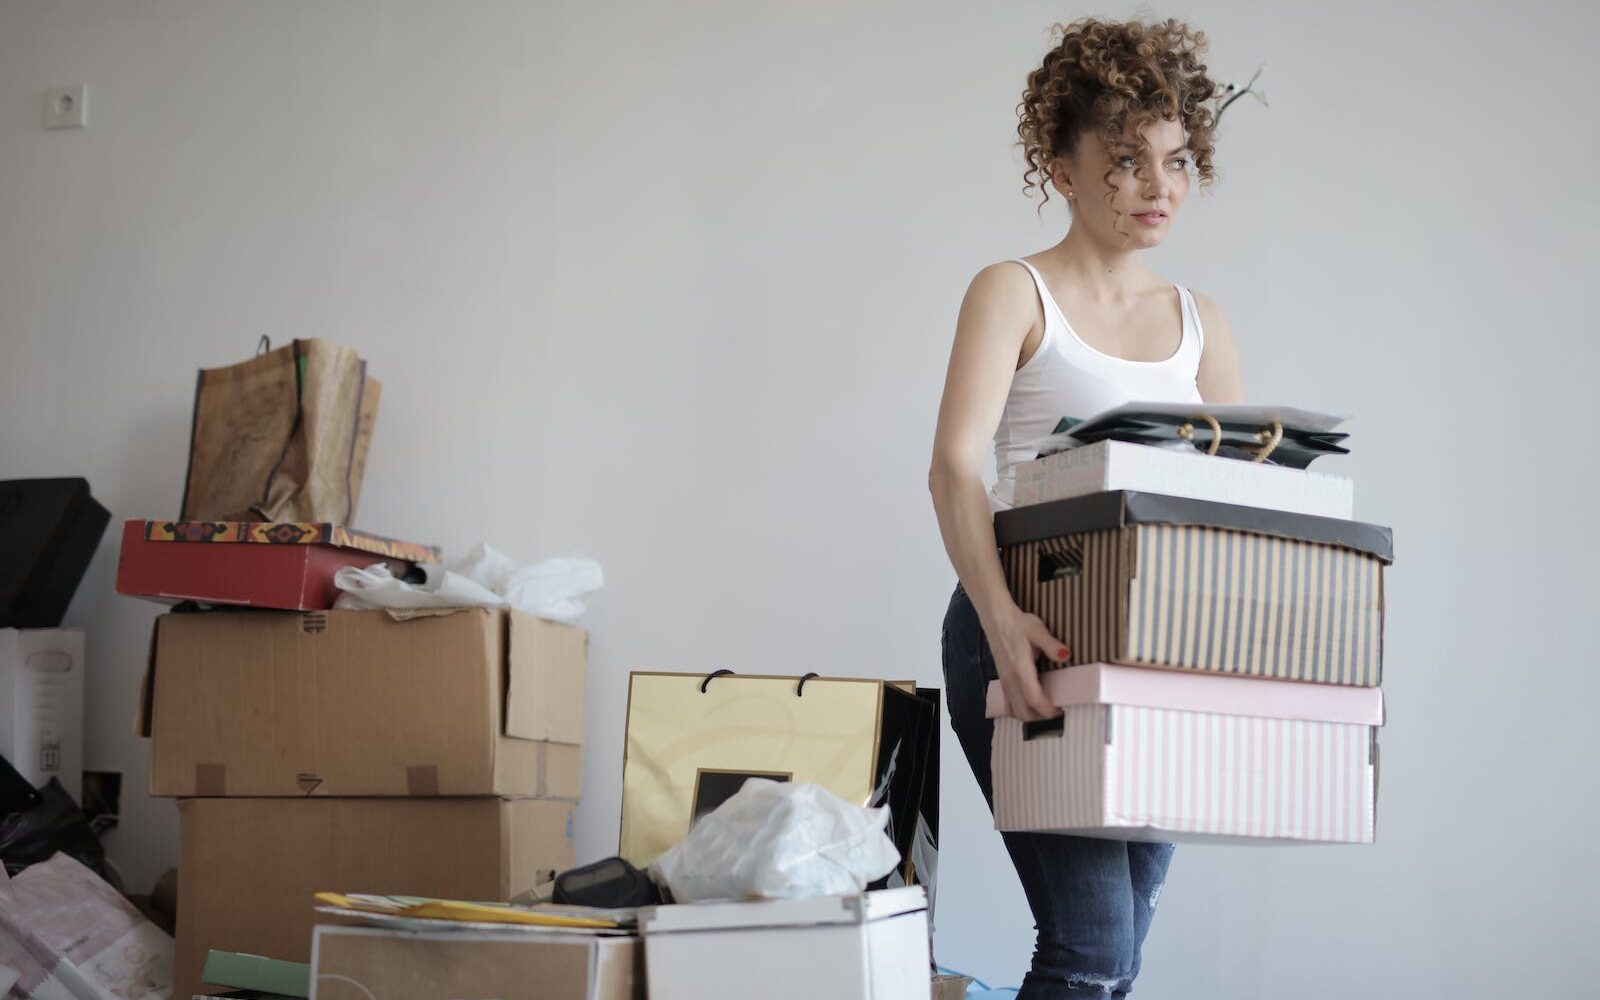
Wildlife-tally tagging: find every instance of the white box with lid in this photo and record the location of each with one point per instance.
(1180, 472)
(872, 946)
(41, 705)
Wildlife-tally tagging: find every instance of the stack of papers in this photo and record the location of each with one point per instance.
(420, 912)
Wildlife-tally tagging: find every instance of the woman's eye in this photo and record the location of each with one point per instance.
(1125, 162)
(1182, 163)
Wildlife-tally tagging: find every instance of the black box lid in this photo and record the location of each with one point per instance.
(1121, 508)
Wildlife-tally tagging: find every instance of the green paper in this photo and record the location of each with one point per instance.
(253, 972)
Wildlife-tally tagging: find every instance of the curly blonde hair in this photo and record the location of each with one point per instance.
(1104, 76)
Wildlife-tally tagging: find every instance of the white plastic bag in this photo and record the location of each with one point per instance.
(779, 840)
(483, 578)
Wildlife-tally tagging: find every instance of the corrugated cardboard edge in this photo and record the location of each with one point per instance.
(622, 811)
(210, 781)
(560, 771)
(529, 710)
(147, 687)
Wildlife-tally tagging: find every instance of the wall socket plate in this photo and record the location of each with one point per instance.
(66, 107)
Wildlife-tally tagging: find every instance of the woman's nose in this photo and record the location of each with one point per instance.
(1158, 186)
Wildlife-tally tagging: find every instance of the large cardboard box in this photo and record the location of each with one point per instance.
(351, 703)
(288, 565)
(249, 867)
(1122, 465)
(868, 947)
(359, 963)
(1143, 754)
(693, 740)
(1141, 578)
(41, 705)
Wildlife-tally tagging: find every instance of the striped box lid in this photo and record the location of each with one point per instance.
(1218, 694)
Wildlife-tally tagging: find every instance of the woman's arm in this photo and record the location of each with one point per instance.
(1000, 308)
(1219, 380)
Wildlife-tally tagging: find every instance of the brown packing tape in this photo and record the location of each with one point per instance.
(210, 781)
(422, 782)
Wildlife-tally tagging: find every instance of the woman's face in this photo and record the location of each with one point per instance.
(1136, 208)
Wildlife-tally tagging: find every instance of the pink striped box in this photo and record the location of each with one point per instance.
(1146, 754)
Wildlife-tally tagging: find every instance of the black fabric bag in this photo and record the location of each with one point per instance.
(49, 530)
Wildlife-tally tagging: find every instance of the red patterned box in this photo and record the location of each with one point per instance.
(286, 565)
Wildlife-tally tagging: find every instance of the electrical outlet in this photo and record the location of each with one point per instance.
(66, 107)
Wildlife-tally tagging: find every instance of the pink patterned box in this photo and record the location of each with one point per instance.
(1147, 754)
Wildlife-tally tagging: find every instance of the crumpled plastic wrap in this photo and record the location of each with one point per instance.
(779, 840)
(483, 578)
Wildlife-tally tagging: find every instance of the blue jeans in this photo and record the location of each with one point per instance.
(1092, 899)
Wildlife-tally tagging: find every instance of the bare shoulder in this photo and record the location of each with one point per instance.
(1220, 379)
(1212, 318)
(1002, 301)
(1002, 280)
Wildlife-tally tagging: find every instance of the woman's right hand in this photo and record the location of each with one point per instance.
(1017, 640)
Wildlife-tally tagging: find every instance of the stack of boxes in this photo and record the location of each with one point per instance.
(434, 753)
(1225, 657)
(692, 742)
(436, 756)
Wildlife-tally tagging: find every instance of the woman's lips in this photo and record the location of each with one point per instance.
(1152, 218)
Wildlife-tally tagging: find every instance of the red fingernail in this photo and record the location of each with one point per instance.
(1065, 652)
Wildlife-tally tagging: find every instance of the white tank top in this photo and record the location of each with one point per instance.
(1068, 378)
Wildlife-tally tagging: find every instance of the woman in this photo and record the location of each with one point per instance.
(1117, 118)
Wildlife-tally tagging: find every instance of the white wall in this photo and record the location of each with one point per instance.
(672, 286)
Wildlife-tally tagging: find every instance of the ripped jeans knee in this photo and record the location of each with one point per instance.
(1079, 969)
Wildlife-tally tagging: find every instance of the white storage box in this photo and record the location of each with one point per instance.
(868, 947)
(1147, 754)
(1119, 465)
(41, 705)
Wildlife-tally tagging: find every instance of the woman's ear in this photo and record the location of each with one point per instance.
(1061, 175)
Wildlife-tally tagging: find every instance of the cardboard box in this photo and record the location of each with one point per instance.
(1144, 754)
(359, 963)
(693, 740)
(1140, 578)
(868, 947)
(248, 868)
(353, 703)
(283, 565)
(49, 532)
(950, 987)
(41, 705)
(1121, 465)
